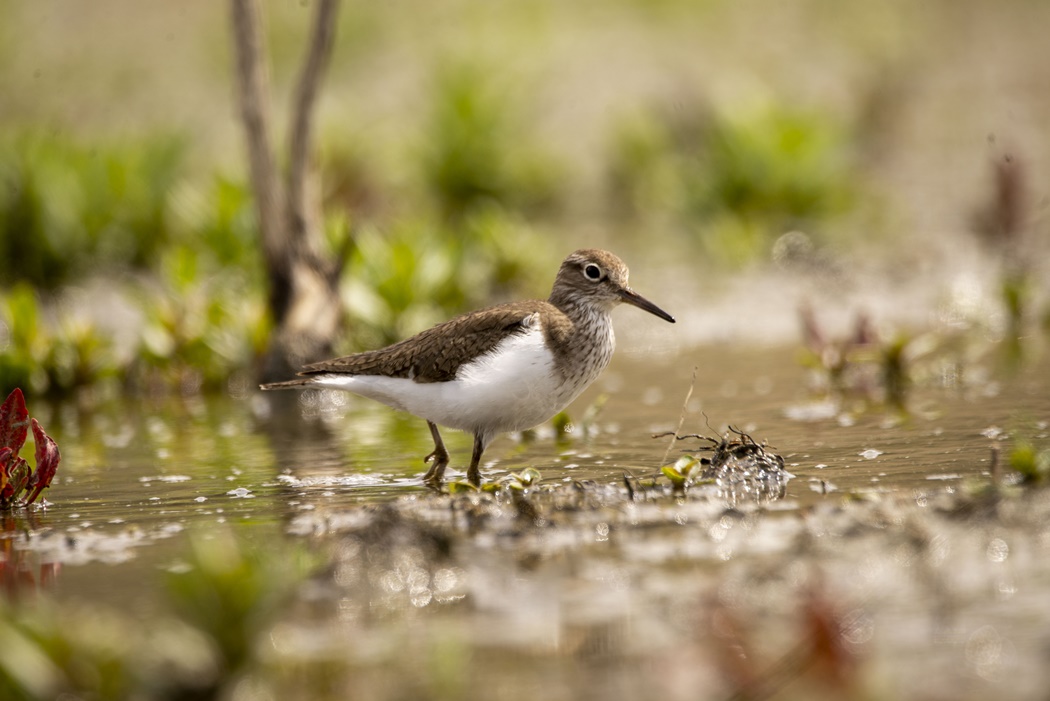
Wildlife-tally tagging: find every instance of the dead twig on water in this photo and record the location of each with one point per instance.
(681, 417)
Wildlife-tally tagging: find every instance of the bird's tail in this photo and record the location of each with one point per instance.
(288, 384)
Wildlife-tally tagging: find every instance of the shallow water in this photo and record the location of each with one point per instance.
(137, 477)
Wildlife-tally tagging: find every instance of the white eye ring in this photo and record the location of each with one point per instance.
(592, 272)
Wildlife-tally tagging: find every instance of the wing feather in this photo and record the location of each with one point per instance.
(435, 355)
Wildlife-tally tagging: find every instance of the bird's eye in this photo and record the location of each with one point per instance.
(593, 272)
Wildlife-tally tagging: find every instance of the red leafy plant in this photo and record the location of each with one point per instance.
(19, 484)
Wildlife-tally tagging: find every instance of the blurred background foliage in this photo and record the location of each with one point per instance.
(472, 153)
(70, 207)
(736, 180)
(465, 147)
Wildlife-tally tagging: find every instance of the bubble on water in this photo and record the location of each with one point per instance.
(447, 579)
(998, 550)
(984, 652)
(870, 454)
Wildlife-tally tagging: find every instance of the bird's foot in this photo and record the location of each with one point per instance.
(436, 472)
(438, 455)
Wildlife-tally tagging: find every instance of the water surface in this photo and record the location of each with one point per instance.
(139, 476)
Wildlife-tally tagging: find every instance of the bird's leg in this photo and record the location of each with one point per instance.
(439, 456)
(474, 473)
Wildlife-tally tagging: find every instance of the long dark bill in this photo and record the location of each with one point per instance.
(631, 297)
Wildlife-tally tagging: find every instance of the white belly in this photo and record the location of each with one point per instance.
(513, 388)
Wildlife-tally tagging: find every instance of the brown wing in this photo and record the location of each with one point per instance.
(436, 354)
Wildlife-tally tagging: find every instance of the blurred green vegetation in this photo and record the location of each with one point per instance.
(735, 180)
(202, 324)
(473, 150)
(183, 246)
(46, 359)
(70, 208)
(199, 289)
(467, 230)
(418, 271)
(1031, 460)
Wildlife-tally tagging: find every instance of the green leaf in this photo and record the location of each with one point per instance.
(672, 474)
(463, 487)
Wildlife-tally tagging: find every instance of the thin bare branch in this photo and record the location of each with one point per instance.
(319, 52)
(253, 94)
(304, 292)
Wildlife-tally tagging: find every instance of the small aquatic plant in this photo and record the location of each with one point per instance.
(21, 485)
(864, 365)
(1032, 463)
(515, 482)
(1004, 227)
(681, 473)
(738, 465)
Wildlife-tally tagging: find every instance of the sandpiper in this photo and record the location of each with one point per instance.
(504, 368)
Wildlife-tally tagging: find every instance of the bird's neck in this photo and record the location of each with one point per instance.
(585, 341)
(584, 319)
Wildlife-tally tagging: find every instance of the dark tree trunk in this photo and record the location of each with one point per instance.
(304, 281)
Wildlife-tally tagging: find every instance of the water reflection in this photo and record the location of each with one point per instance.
(23, 572)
